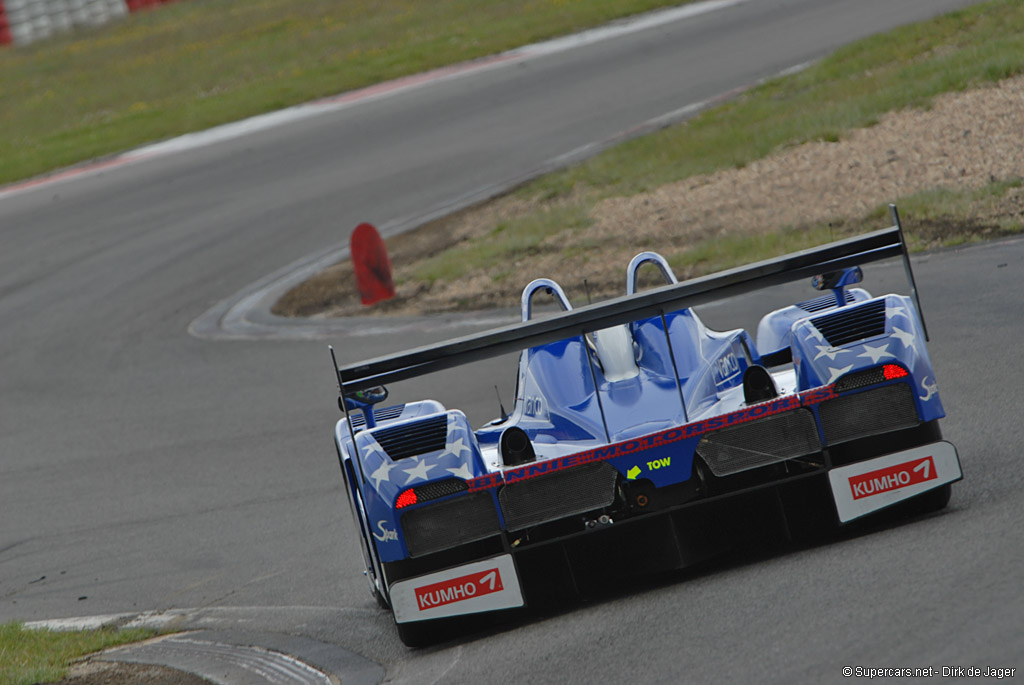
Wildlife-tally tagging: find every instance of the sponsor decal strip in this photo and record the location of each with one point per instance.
(684, 432)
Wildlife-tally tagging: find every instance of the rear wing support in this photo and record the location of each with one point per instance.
(895, 214)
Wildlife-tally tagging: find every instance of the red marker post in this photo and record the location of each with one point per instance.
(372, 265)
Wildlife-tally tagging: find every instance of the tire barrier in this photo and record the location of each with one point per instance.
(26, 21)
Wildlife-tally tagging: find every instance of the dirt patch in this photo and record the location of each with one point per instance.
(966, 140)
(91, 672)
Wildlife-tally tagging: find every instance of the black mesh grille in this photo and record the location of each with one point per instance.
(852, 323)
(547, 498)
(758, 443)
(864, 379)
(439, 489)
(449, 524)
(868, 413)
(385, 414)
(823, 302)
(411, 439)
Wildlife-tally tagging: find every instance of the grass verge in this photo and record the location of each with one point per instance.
(425, 259)
(941, 218)
(40, 656)
(852, 88)
(193, 65)
(491, 252)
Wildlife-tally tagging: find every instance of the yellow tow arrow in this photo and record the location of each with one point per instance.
(633, 473)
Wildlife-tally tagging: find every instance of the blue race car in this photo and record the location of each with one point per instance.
(637, 431)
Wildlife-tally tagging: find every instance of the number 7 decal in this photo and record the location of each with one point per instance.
(927, 466)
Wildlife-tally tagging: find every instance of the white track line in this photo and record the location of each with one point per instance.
(245, 315)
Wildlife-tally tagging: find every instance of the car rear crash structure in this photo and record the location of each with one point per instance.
(632, 421)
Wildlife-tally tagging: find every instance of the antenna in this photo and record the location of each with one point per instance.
(334, 361)
(895, 215)
(586, 286)
(504, 414)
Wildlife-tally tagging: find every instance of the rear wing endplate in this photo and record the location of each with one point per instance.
(871, 247)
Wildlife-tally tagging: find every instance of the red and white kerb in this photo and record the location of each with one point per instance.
(26, 21)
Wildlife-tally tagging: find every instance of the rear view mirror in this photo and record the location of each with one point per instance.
(362, 399)
(837, 279)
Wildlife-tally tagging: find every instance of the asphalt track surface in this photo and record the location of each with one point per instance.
(145, 469)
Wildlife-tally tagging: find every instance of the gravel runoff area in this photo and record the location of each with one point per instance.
(965, 140)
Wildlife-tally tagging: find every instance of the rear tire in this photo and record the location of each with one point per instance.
(933, 500)
(369, 568)
(416, 634)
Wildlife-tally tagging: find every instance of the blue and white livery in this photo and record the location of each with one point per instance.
(640, 439)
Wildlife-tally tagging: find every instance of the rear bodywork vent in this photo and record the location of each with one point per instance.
(868, 413)
(823, 302)
(449, 524)
(564, 493)
(411, 439)
(869, 377)
(852, 323)
(439, 489)
(759, 443)
(385, 414)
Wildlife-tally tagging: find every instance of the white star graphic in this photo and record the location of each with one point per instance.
(905, 337)
(826, 351)
(457, 448)
(462, 472)
(899, 310)
(876, 353)
(836, 373)
(813, 332)
(382, 472)
(418, 472)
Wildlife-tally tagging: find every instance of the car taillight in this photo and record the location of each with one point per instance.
(894, 371)
(407, 498)
(863, 379)
(429, 491)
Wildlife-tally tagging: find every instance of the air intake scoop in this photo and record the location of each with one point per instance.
(758, 385)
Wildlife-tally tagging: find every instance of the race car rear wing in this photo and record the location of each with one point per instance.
(872, 247)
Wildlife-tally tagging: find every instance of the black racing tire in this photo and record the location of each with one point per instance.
(933, 500)
(416, 634)
(381, 601)
(369, 568)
